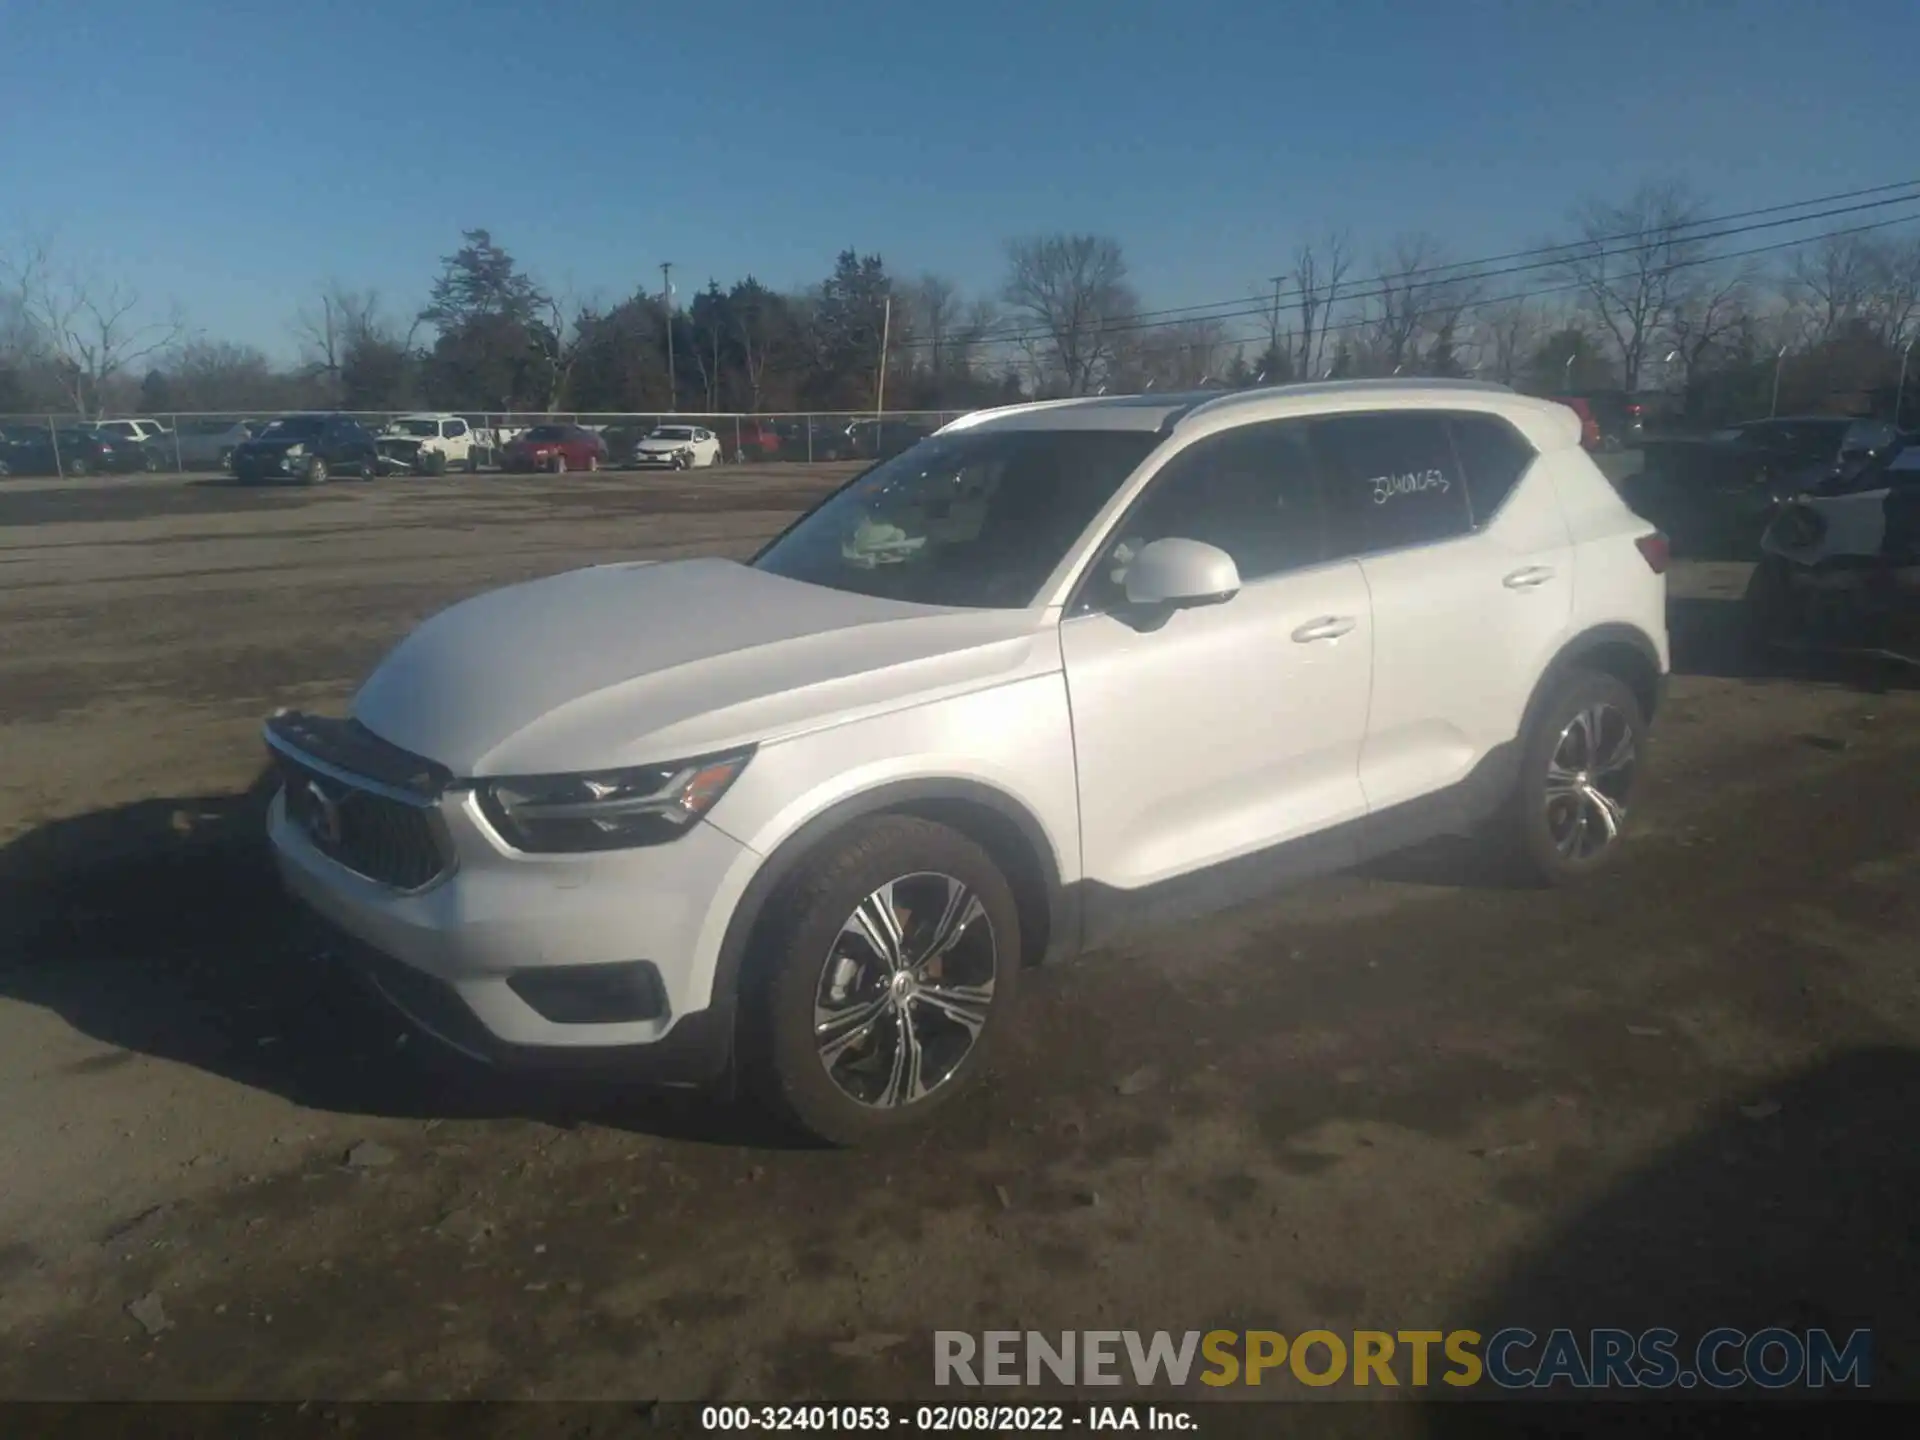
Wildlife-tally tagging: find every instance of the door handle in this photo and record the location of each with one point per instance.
(1531, 577)
(1327, 627)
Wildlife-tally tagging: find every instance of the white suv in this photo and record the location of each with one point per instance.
(1057, 670)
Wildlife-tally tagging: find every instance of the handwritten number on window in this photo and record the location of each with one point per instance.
(1386, 487)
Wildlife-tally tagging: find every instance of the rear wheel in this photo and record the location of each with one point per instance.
(436, 462)
(315, 473)
(76, 466)
(890, 965)
(1578, 765)
(559, 465)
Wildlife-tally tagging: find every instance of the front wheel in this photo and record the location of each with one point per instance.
(1578, 765)
(315, 473)
(890, 966)
(559, 465)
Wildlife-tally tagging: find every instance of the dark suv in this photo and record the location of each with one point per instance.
(308, 449)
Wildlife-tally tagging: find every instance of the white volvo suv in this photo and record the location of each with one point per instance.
(1061, 669)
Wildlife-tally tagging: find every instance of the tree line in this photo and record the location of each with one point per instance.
(1644, 293)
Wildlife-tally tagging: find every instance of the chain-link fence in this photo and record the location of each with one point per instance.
(72, 445)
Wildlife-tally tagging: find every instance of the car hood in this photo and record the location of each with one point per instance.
(637, 663)
(651, 444)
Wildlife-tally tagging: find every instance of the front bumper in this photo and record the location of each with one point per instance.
(661, 459)
(448, 954)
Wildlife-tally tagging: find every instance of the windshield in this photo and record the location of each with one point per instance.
(547, 432)
(294, 427)
(976, 519)
(671, 432)
(423, 428)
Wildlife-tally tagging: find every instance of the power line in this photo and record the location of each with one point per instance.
(1377, 286)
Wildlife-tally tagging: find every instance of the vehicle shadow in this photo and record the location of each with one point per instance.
(1792, 1206)
(161, 928)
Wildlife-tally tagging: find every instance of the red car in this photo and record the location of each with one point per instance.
(554, 448)
(758, 441)
(1589, 422)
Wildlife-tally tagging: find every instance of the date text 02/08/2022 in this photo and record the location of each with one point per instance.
(946, 1419)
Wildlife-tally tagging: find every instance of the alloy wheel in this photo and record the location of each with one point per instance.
(1588, 778)
(906, 990)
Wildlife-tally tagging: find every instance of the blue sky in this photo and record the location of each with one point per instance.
(235, 155)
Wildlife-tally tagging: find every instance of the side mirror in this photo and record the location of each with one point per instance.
(1176, 574)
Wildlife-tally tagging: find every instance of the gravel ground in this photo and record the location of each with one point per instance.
(1404, 1099)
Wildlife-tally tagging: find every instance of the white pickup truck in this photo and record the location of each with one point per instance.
(432, 445)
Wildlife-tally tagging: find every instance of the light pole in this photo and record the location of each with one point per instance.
(1900, 393)
(666, 301)
(1779, 363)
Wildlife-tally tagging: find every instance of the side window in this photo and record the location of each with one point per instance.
(456, 429)
(1252, 491)
(1392, 481)
(1493, 456)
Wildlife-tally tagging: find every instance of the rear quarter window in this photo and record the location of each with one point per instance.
(1493, 456)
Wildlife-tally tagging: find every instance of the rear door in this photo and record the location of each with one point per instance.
(1469, 567)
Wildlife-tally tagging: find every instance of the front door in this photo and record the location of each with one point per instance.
(1229, 729)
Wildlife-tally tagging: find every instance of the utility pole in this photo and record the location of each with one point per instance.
(886, 333)
(1273, 324)
(666, 296)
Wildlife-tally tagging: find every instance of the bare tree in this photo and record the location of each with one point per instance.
(1895, 302)
(338, 323)
(1316, 278)
(1421, 301)
(1831, 281)
(92, 330)
(1074, 288)
(1631, 264)
(1710, 311)
(1507, 332)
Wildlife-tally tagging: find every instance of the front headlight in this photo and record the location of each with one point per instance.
(608, 809)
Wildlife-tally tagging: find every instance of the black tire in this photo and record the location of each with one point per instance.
(76, 468)
(315, 472)
(436, 463)
(593, 464)
(558, 465)
(804, 935)
(225, 462)
(1560, 830)
(473, 462)
(149, 462)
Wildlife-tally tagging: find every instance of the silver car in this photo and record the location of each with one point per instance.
(209, 444)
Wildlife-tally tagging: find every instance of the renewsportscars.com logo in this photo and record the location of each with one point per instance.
(1510, 1359)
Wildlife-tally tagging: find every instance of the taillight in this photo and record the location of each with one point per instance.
(1655, 550)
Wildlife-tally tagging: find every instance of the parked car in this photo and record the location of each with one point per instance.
(882, 439)
(75, 450)
(132, 432)
(554, 448)
(432, 445)
(309, 449)
(1623, 419)
(818, 812)
(209, 444)
(678, 447)
(1839, 568)
(1716, 494)
(815, 439)
(758, 440)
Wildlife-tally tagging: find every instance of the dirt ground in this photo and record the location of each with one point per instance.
(1405, 1099)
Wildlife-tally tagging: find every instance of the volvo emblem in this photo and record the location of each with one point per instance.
(324, 818)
